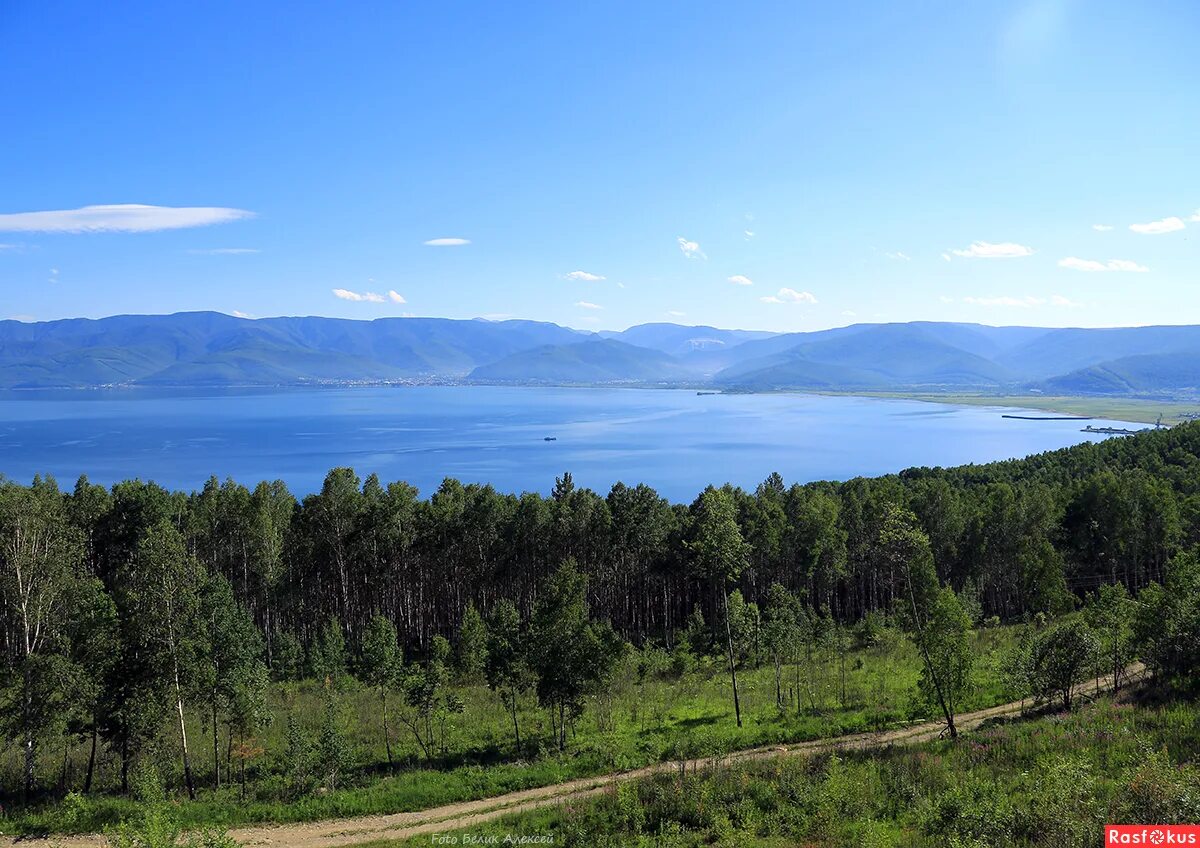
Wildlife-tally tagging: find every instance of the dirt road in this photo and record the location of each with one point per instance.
(333, 833)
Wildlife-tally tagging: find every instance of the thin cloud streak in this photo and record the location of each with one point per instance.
(120, 218)
(359, 297)
(786, 295)
(1154, 228)
(988, 250)
(1095, 266)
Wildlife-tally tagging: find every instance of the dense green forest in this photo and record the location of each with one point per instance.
(140, 624)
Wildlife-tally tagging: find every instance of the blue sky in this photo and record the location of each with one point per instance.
(784, 166)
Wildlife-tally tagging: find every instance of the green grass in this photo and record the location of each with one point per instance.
(1118, 409)
(641, 719)
(1052, 781)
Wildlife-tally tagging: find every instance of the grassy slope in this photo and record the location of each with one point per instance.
(635, 724)
(1051, 781)
(1119, 409)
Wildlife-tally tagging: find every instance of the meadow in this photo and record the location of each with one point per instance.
(1048, 781)
(654, 711)
(1141, 410)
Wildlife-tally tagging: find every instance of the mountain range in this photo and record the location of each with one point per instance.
(212, 349)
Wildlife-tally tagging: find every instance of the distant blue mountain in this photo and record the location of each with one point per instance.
(874, 357)
(208, 348)
(596, 361)
(199, 348)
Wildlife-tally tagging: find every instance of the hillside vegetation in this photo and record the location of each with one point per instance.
(210, 349)
(1050, 782)
(270, 658)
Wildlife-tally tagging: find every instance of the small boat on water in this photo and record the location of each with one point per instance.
(550, 438)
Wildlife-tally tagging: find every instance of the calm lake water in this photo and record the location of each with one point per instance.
(674, 440)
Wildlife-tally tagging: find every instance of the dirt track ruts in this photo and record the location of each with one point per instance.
(332, 833)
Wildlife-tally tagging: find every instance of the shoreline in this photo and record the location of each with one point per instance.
(1131, 410)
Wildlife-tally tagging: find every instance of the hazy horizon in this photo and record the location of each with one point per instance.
(593, 330)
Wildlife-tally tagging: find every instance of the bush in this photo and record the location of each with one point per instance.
(1168, 623)
(1060, 657)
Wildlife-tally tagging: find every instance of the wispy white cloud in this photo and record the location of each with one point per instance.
(359, 297)
(740, 280)
(946, 256)
(224, 251)
(1093, 265)
(675, 313)
(903, 257)
(446, 242)
(988, 250)
(1126, 265)
(749, 234)
(1154, 228)
(690, 249)
(849, 313)
(1059, 300)
(1102, 228)
(120, 218)
(239, 314)
(583, 304)
(1195, 217)
(786, 295)
(396, 297)
(584, 276)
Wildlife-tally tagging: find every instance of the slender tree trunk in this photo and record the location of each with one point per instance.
(216, 747)
(387, 737)
(843, 664)
(516, 727)
(183, 742)
(66, 765)
(737, 706)
(91, 766)
(937, 684)
(30, 744)
(242, 764)
(125, 761)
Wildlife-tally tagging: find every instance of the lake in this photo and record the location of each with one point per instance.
(674, 440)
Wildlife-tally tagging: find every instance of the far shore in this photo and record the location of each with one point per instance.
(1115, 409)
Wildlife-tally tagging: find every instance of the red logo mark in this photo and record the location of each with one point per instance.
(1152, 834)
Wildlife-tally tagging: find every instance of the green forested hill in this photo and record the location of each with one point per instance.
(602, 361)
(136, 618)
(208, 348)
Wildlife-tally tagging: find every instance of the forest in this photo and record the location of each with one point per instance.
(141, 625)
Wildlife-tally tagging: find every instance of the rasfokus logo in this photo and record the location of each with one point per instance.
(1151, 834)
